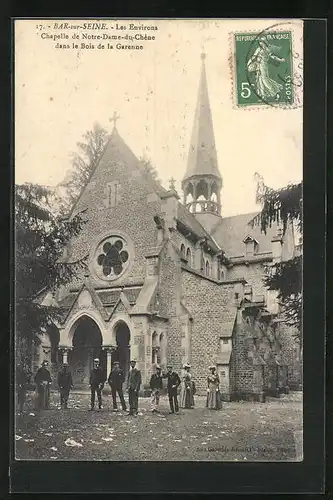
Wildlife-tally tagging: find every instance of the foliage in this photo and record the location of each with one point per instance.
(279, 205)
(150, 171)
(83, 164)
(286, 277)
(283, 206)
(40, 238)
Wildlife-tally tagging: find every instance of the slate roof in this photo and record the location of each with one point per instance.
(231, 231)
(188, 220)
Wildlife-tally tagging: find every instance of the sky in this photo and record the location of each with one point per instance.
(60, 93)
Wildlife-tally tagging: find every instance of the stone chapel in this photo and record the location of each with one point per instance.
(169, 280)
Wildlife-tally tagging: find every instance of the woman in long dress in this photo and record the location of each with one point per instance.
(186, 391)
(258, 64)
(213, 390)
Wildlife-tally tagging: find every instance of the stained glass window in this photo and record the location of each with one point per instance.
(113, 257)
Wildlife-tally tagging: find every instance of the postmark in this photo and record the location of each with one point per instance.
(267, 68)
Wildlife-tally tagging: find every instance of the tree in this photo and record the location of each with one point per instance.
(83, 164)
(40, 238)
(150, 170)
(283, 206)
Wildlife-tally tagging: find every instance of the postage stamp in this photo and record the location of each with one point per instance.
(264, 68)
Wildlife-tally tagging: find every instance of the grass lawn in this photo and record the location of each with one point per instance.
(240, 431)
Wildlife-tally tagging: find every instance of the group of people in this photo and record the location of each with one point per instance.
(116, 381)
(187, 389)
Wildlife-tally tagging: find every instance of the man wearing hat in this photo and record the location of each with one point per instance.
(133, 386)
(43, 381)
(116, 380)
(65, 384)
(173, 383)
(96, 382)
(156, 385)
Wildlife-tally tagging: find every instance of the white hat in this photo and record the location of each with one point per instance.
(96, 359)
(187, 365)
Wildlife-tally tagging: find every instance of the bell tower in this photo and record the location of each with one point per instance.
(202, 181)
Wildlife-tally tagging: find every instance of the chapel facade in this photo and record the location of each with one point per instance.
(170, 280)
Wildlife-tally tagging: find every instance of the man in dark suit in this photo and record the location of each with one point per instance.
(65, 384)
(173, 383)
(156, 385)
(43, 381)
(96, 382)
(116, 380)
(133, 386)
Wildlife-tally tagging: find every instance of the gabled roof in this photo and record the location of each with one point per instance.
(69, 306)
(115, 149)
(249, 238)
(230, 233)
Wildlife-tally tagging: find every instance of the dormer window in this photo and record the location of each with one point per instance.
(251, 246)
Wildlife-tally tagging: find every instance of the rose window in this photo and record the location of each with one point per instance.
(112, 257)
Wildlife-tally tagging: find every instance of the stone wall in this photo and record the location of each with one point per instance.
(169, 302)
(245, 385)
(252, 273)
(209, 305)
(291, 355)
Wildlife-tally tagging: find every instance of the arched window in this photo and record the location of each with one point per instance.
(182, 249)
(162, 354)
(221, 275)
(189, 257)
(207, 268)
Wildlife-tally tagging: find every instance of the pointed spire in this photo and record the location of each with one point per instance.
(202, 158)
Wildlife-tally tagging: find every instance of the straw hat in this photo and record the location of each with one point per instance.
(187, 365)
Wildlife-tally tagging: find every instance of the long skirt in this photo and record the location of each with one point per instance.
(186, 397)
(42, 398)
(214, 399)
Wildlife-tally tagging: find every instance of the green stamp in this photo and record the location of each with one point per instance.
(264, 68)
